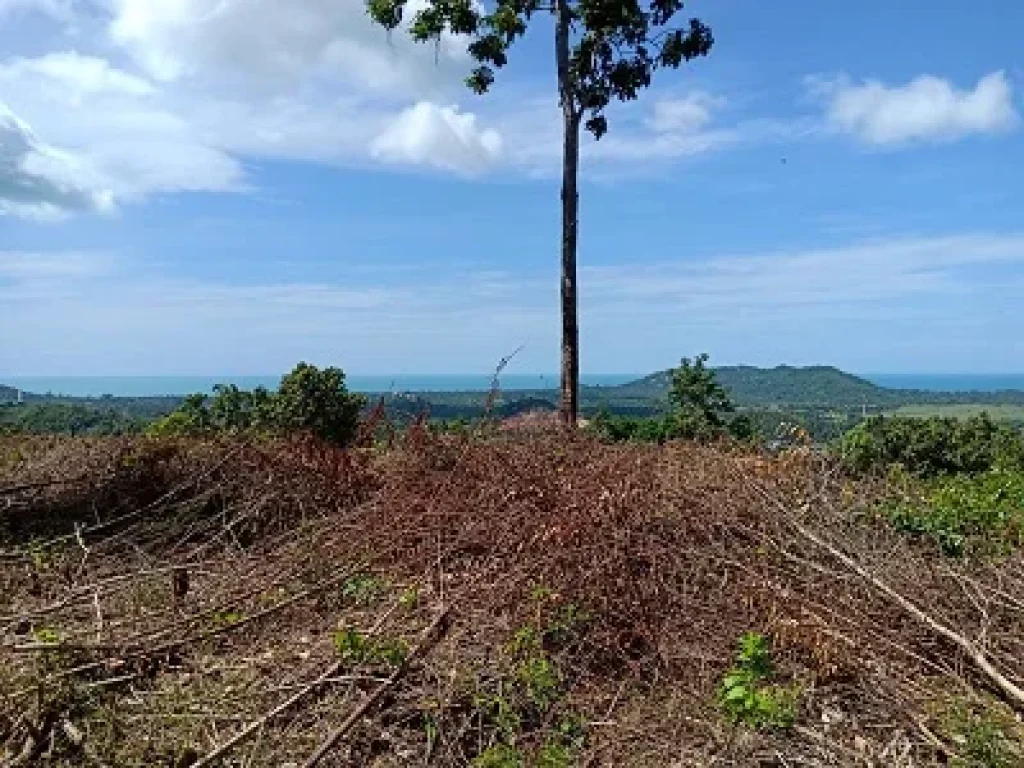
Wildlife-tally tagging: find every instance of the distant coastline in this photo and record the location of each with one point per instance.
(176, 386)
(155, 386)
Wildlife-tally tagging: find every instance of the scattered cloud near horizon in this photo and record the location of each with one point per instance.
(814, 305)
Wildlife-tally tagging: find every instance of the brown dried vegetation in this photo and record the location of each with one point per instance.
(447, 600)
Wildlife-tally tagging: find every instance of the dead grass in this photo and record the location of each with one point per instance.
(593, 596)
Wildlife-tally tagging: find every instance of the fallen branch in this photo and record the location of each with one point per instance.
(77, 738)
(325, 677)
(1013, 692)
(370, 700)
(175, 644)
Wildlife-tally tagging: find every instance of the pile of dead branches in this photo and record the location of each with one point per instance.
(454, 600)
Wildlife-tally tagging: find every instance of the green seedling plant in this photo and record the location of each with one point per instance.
(539, 680)
(355, 648)
(745, 695)
(984, 735)
(563, 744)
(499, 756)
(409, 598)
(363, 588)
(227, 618)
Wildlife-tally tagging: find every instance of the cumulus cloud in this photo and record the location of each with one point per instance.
(438, 137)
(273, 44)
(927, 108)
(202, 89)
(39, 181)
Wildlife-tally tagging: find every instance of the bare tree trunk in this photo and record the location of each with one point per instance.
(570, 215)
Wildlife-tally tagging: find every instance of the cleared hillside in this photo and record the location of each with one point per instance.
(527, 600)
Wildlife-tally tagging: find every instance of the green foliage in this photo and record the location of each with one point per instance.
(308, 400)
(699, 408)
(317, 401)
(985, 735)
(539, 679)
(745, 696)
(356, 648)
(698, 401)
(615, 47)
(363, 588)
(930, 447)
(47, 635)
(500, 710)
(563, 743)
(964, 514)
(60, 418)
(498, 756)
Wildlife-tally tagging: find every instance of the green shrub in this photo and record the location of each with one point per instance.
(745, 695)
(498, 756)
(930, 447)
(308, 400)
(964, 514)
(984, 735)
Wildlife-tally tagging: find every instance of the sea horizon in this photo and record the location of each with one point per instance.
(176, 386)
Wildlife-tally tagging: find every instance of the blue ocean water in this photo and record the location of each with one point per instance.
(142, 386)
(949, 382)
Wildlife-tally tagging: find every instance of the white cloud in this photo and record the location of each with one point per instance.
(58, 9)
(684, 115)
(276, 45)
(814, 304)
(926, 108)
(73, 77)
(205, 87)
(438, 137)
(38, 181)
(73, 265)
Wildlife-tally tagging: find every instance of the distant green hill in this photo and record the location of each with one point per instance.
(814, 386)
(817, 385)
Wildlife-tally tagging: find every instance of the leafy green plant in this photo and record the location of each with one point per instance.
(498, 756)
(499, 710)
(984, 735)
(540, 680)
(362, 588)
(933, 446)
(746, 697)
(356, 648)
(562, 745)
(964, 514)
(47, 635)
(226, 618)
(409, 598)
(309, 399)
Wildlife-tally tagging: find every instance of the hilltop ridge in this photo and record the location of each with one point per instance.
(750, 385)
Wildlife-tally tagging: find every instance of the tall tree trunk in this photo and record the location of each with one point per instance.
(570, 215)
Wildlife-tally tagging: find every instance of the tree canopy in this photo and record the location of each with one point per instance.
(308, 400)
(605, 51)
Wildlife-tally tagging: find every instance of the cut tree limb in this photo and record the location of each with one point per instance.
(1013, 692)
(369, 701)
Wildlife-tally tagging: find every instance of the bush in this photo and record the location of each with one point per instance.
(311, 400)
(308, 400)
(930, 447)
(965, 514)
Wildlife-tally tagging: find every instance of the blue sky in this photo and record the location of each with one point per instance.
(191, 187)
